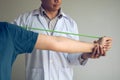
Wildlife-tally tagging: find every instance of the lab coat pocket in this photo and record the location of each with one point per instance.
(65, 74)
(36, 74)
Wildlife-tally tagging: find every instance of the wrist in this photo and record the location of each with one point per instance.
(85, 56)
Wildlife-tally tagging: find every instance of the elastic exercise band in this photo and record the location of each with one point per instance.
(83, 35)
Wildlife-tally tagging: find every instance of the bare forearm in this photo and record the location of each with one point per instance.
(73, 46)
(62, 44)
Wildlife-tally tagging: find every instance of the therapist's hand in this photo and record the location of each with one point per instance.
(96, 53)
(103, 44)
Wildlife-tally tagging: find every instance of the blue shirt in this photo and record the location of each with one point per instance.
(13, 41)
(47, 64)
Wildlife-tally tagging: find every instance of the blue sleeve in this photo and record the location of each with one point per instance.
(23, 40)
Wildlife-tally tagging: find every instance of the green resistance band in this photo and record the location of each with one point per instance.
(83, 35)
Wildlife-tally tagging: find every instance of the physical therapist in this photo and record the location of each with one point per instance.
(46, 64)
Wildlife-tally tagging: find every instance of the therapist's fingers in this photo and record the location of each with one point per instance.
(95, 52)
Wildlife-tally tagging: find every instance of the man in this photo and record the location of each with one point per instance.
(15, 40)
(49, 65)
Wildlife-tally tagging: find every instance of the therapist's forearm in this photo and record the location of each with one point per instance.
(62, 44)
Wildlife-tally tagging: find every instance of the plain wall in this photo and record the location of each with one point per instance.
(94, 17)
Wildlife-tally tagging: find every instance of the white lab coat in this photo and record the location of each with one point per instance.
(44, 64)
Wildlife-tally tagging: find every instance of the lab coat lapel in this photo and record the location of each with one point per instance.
(44, 23)
(60, 26)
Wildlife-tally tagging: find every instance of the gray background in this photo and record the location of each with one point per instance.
(94, 17)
